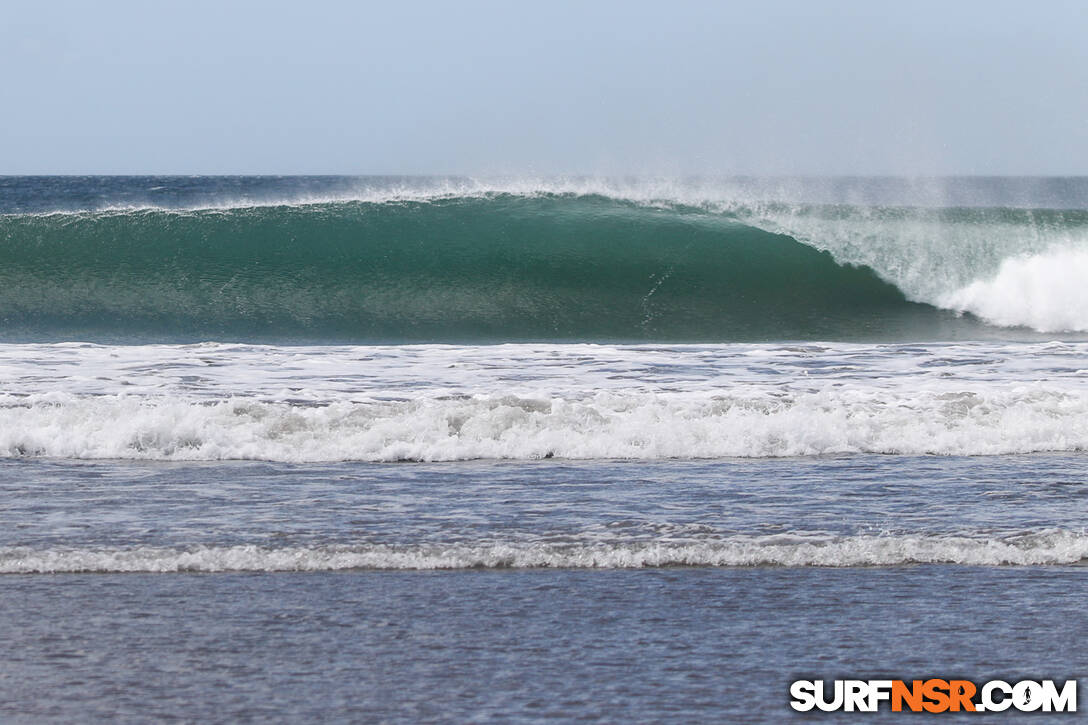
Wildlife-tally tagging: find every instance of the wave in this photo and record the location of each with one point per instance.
(80, 194)
(1010, 267)
(1052, 547)
(754, 422)
(1045, 291)
(481, 265)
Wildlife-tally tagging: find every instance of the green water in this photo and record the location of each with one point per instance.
(469, 269)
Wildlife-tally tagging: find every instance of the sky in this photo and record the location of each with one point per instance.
(769, 87)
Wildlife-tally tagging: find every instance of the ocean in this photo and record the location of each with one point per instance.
(401, 449)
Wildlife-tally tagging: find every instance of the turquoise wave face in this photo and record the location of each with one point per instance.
(496, 268)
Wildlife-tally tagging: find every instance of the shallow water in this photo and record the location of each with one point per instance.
(658, 645)
(895, 566)
(121, 516)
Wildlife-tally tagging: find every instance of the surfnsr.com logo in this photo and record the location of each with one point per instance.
(933, 695)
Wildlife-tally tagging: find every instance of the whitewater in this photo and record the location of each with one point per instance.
(432, 403)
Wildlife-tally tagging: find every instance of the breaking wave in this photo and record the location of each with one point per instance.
(758, 422)
(1052, 547)
(493, 265)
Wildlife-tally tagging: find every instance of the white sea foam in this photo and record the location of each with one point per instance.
(1046, 291)
(330, 373)
(435, 403)
(745, 423)
(1014, 268)
(1052, 547)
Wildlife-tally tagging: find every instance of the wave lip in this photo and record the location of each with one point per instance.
(1052, 547)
